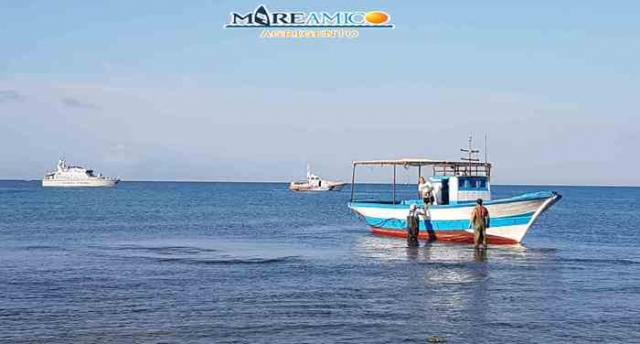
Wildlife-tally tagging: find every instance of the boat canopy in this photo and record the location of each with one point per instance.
(470, 167)
(440, 167)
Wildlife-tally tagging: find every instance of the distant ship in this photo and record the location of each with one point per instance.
(74, 176)
(315, 183)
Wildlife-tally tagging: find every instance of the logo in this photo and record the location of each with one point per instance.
(298, 24)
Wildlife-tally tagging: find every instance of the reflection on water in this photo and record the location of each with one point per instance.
(393, 249)
(458, 285)
(480, 255)
(447, 263)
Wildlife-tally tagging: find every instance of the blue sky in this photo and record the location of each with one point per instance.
(158, 90)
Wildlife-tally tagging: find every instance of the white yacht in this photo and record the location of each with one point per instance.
(75, 176)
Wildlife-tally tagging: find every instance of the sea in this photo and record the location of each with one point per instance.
(179, 262)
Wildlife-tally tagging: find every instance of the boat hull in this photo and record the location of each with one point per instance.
(510, 219)
(327, 186)
(307, 188)
(80, 183)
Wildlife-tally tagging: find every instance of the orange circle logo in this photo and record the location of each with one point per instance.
(376, 17)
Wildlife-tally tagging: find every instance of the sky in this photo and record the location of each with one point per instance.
(158, 90)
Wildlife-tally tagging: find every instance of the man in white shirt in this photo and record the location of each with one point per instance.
(425, 189)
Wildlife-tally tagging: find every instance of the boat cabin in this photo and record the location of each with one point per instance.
(460, 189)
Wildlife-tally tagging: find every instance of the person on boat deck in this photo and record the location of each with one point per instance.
(480, 222)
(437, 193)
(426, 191)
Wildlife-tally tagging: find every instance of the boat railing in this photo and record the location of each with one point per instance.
(476, 170)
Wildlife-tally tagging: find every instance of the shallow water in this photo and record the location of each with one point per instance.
(255, 263)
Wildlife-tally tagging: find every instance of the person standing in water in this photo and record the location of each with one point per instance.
(425, 189)
(480, 222)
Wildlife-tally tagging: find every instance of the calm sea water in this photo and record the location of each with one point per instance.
(255, 263)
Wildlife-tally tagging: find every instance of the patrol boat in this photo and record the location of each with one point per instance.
(74, 176)
(457, 185)
(315, 183)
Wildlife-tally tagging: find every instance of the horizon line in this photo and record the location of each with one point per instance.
(286, 182)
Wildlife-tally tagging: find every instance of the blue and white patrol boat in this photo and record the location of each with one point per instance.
(457, 185)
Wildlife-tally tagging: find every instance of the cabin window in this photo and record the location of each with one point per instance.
(472, 184)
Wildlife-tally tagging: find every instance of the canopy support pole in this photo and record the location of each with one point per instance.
(353, 182)
(394, 184)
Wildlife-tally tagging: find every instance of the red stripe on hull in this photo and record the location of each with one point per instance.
(451, 236)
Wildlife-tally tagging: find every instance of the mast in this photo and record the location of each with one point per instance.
(470, 152)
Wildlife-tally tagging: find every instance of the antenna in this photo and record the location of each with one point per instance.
(486, 151)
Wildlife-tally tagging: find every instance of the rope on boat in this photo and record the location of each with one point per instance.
(380, 224)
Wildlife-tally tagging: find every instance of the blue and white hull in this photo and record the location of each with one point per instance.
(510, 219)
